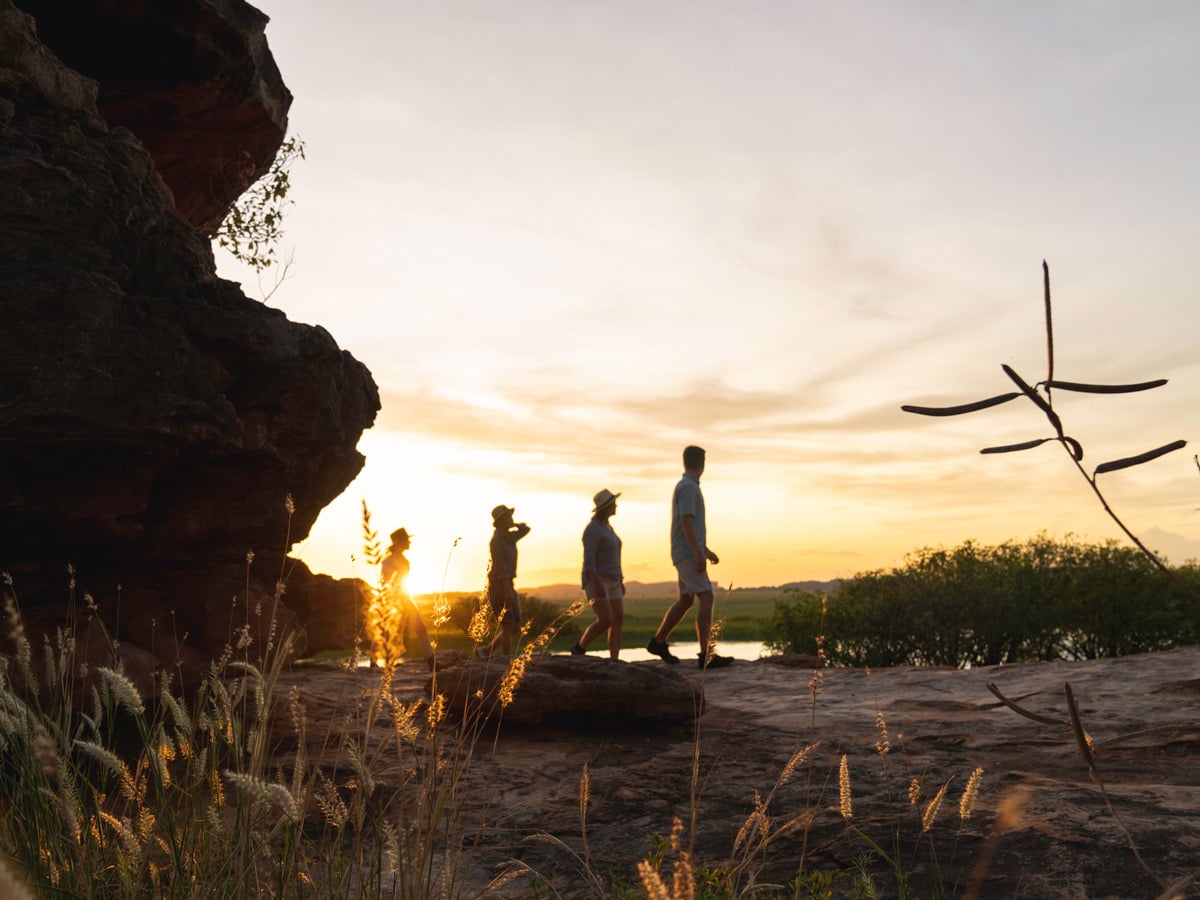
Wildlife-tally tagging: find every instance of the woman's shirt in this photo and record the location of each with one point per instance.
(601, 550)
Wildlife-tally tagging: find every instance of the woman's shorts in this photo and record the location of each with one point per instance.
(502, 598)
(614, 589)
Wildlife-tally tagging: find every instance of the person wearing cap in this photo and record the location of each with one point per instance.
(502, 572)
(691, 555)
(602, 580)
(394, 571)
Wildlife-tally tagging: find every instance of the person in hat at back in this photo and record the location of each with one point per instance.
(502, 572)
(602, 580)
(394, 571)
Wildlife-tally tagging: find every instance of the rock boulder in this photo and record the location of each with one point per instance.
(573, 691)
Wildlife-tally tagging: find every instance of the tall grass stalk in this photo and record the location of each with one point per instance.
(112, 789)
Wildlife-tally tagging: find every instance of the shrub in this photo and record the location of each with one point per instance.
(977, 605)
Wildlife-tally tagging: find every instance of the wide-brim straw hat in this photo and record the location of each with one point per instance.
(604, 498)
(500, 511)
(401, 535)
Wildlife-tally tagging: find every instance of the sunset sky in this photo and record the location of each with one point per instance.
(570, 238)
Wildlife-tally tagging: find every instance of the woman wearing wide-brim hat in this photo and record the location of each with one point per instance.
(602, 580)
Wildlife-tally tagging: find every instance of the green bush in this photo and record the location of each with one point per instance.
(976, 605)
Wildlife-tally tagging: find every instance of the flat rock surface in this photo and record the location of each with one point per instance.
(1040, 827)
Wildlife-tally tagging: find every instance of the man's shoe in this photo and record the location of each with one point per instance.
(714, 661)
(577, 650)
(659, 649)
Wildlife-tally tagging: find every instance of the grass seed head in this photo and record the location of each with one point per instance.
(914, 791)
(480, 623)
(102, 755)
(512, 679)
(684, 882)
(330, 803)
(934, 807)
(845, 802)
(282, 799)
(676, 834)
(882, 746)
(122, 690)
(795, 762)
(757, 823)
(436, 714)
(970, 793)
(652, 882)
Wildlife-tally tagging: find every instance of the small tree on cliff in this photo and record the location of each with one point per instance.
(252, 230)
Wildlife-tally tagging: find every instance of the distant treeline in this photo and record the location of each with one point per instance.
(981, 605)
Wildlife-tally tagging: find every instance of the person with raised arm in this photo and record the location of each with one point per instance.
(502, 573)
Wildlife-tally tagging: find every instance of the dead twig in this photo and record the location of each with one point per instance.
(1020, 710)
(1084, 740)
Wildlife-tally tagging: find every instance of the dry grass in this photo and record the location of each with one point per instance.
(107, 792)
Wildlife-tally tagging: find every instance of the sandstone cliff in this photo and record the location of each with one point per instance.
(153, 419)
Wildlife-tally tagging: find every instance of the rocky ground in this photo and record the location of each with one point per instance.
(1042, 825)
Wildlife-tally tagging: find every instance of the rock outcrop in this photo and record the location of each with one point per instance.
(572, 691)
(194, 81)
(1042, 825)
(154, 421)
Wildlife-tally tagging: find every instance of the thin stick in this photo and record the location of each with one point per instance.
(1020, 710)
(1085, 748)
(1049, 327)
(1153, 557)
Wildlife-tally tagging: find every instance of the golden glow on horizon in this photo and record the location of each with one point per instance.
(560, 281)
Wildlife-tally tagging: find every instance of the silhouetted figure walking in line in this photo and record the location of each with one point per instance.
(602, 580)
(691, 556)
(502, 572)
(395, 569)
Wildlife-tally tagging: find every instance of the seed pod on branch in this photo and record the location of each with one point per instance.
(1013, 448)
(1105, 388)
(960, 409)
(1128, 461)
(1070, 443)
(1074, 446)
(1036, 398)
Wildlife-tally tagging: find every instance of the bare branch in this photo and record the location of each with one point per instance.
(1020, 710)
(1049, 323)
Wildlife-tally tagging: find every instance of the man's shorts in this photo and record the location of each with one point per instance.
(613, 588)
(690, 580)
(502, 598)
